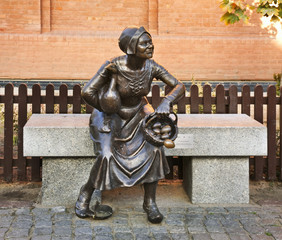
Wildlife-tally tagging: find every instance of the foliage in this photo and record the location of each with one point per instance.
(236, 10)
(277, 77)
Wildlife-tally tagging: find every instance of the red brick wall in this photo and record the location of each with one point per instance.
(70, 39)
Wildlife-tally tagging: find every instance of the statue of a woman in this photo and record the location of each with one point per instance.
(118, 94)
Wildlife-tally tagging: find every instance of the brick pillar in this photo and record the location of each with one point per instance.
(153, 16)
(45, 8)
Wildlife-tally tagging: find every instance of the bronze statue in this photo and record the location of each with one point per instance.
(118, 94)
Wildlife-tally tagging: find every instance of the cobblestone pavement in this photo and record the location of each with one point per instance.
(192, 222)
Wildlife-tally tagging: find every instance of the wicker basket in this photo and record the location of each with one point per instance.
(153, 118)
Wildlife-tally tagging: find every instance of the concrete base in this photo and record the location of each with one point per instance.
(216, 179)
(62, 179)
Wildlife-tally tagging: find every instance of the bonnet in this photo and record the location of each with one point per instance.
(129, 38)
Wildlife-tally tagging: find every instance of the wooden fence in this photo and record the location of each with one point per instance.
(16, 109)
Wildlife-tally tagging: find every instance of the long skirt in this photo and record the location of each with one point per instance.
(123, 157)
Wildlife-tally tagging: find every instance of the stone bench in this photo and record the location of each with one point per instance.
(216, 150)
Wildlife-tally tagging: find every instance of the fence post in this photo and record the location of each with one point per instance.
(259, 118)
(156, 99)
(271, 127)
(207, 107)
(63, 98)
(50, 98)
(233, 99)
(194, 93)
(76, 96)
(220, 99)
(280, 126)
(21, 122)
(246, 100)
(8, 133)
(36, 107)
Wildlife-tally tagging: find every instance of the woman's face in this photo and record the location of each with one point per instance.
(145, 47)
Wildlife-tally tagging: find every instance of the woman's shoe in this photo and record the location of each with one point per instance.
(82, 204)
(153, 213)
(82, 207)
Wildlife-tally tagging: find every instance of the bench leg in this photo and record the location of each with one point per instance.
(216, 179)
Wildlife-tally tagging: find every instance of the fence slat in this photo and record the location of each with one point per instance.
(280, 126)
(8, 133)
(207, 107)
(21, 122)
(194, 93)
(271, 132)
(156, 99)
(50, 100)
(76, 99)
(63, 98)
(233, 97)
(181, 105)
(258, 114)
(36, 107)
(246, 100)
(220, 99)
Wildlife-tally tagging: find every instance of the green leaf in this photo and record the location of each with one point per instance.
(229, 18)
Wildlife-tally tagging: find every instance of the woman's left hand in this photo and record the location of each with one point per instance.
(163, 108)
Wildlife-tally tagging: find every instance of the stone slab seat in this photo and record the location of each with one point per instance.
(216, 148)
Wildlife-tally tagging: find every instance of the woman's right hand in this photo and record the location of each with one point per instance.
(111, 68)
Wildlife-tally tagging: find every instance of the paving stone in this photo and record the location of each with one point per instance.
(140, 231)
(62, 231)
(61, 238)
(63, 223)
(161, 236)
(122, 229)
(120, 221)
(235, 236)
(102, 237)
(264, 236)
(80, 223)
(213, 226)
(83, 231)
(22, 211)
(42, 231)
(58, 209)
(180, 236)
(100, 230)
(8, 212)
(83, 237)
(17, 233)
(254, 229)
(175, 219)
(158, 229)
(124, 236)
(6, 221)
(22, 224)
(2, 232)
(219, 236)
(196, 209)
(216, 210)
(177, 229)
(42, 237)
(62, 216)
(143, 237)
(178, 210)
(43, 223)
(201, 236)
(40, 211)
(196, 229)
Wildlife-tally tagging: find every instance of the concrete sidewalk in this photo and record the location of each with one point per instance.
(261, 219)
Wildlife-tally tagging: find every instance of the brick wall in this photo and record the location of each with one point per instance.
(70, 39)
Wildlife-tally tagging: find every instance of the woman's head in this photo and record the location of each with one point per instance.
(134, 39)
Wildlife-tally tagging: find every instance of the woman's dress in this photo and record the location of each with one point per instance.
(123, 157)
